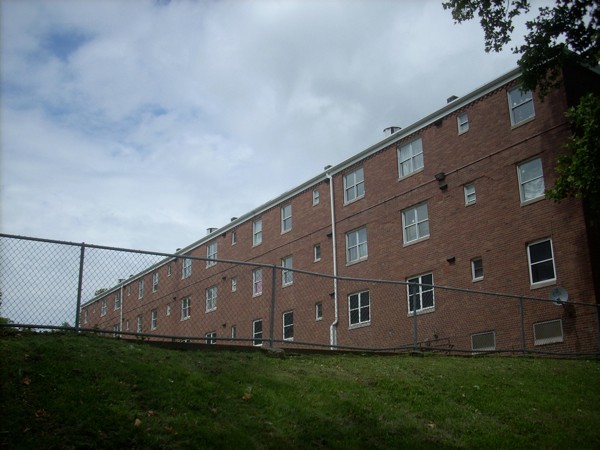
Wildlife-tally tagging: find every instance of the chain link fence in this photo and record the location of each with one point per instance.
(134, 294)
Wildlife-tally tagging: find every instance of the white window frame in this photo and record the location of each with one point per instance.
(186, 269)
(257, 334)
(524, 182)
(139, 328)
(354, 185)
(140, 289)
(524, 99)
(462, 121)
(153, 319)
(234, 284)
(413, 161)
(257, 286)
(211, 337)
(286, 218)
(317, 252)
(168, 311)
(316, 197)
(474, 276)
(288, 327)
(319, 311)
(411, 218)
(422, 287)
(257, 232)
(186, 308)
(360, 247)
(530, 264)
(211, 253)
(233, 237)
(154, 281)
(470, 194)
(287, 276)
(211, 298)
(363, 304)
(118, 300)
(103, 307)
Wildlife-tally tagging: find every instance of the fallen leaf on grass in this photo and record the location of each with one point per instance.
(26, 381)
(137, 423)
(151, 413)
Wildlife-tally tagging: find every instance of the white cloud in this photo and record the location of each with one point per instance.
(156, 121)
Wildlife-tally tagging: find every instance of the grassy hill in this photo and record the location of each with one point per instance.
(67, 391)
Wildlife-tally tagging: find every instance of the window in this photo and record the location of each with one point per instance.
(138, 324)
(410, 158)
(85, 316)
(359, 308)
(256, 232)
(316, 197)
(420, 293)
(470, 195)
(317, 252)
(169, 269)
(354, 185)
(233, 237)
(256, 282)
(520, 105)
(287, 276)
(318, 311)
(187, 268)
(140, 288)
(356, 245)
(234, 285)
(211, 254)
(257, 332)
(541, 262)
(211, 337)
(286, 218)
(483, 342)
(531, 180)
(185, 308)
(288, 326)
(118, 300)
(211, 298)
(477, 269)
(168, 312)
(153, 319)
(127, 325)
(103, 307)
(548, 332)
(233, 332)
(415, 223)
(154, 281)
(463, 123)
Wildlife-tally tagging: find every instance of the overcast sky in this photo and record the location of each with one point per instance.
(139, 124)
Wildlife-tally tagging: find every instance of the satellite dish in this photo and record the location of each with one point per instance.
(559, 295)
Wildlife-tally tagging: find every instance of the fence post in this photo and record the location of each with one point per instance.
(272, 317)
(79, 286)
(523, 345)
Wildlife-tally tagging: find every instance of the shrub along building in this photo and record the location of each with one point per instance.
(455, 199)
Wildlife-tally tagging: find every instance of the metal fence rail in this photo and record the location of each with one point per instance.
(47, 284)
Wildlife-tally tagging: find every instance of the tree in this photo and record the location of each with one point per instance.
(567, 33)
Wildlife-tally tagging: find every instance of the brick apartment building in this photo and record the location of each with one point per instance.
(455, 199)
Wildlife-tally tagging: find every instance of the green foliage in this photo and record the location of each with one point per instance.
(78, 391)
(578, 169)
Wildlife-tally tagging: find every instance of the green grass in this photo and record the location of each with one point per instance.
(68, 391)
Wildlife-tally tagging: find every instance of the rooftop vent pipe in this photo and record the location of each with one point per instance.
(210, 230)
(451, 99)
(391, 130)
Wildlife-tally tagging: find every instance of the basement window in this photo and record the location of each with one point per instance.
(549, 332)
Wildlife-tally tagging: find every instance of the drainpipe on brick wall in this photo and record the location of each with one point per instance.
(333, 327)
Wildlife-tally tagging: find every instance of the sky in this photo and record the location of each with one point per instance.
(140, 124)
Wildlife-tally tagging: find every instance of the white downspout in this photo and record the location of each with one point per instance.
(333, 327)
(121, 312)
